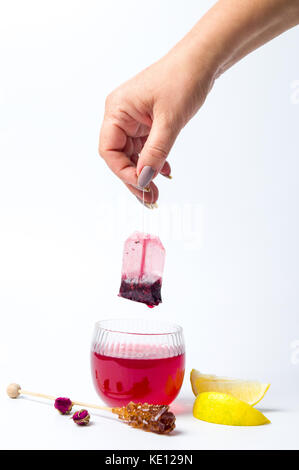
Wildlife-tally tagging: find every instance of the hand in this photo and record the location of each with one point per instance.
(144, 116)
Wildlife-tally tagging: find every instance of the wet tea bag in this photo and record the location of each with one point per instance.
(142, 269)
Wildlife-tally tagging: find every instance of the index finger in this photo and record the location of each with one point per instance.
(112, 143)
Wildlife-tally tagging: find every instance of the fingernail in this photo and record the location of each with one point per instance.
(168, 176)
(146, 190)
(145, 176)
(147, 204)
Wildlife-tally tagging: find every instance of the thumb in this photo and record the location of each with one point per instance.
(155, 151)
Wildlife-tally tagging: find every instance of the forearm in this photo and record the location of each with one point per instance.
(233, 28)
(144, 116)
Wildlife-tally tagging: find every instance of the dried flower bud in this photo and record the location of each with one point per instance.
(63, 405)
(81, 417)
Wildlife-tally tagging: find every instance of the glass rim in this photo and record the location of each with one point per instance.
(170, 328)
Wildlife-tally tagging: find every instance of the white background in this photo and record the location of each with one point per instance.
(229, 223)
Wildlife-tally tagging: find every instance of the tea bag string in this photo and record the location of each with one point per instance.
(143, 241)
(143, 213)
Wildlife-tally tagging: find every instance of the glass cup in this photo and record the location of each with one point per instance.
(137, 360)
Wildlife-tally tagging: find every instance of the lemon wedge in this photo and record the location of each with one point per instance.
(249, 391)
(220, 408)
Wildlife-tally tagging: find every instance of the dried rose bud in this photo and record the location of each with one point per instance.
(63, 405)
(81, 417)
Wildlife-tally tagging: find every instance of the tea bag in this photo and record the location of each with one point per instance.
(142, 269)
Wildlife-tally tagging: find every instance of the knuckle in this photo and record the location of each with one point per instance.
(114, 97)
(110, 98)
(157, 151)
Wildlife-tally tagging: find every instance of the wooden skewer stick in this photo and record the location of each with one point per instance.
(153, 418)
(15, 390)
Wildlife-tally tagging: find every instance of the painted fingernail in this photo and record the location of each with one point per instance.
(146, 190)
(168, 176)
(145, 176)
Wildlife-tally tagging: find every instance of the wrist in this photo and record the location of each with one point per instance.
(199, 56)
(211, 45)
(195, 67)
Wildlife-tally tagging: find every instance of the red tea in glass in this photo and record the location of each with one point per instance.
(129, 365)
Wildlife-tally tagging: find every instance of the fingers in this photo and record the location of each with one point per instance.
(155, 151)
(149, 197)
(120, 152)
(166, 170)
(115, 148)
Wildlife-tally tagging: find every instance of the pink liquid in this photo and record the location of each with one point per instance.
(121, 380)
